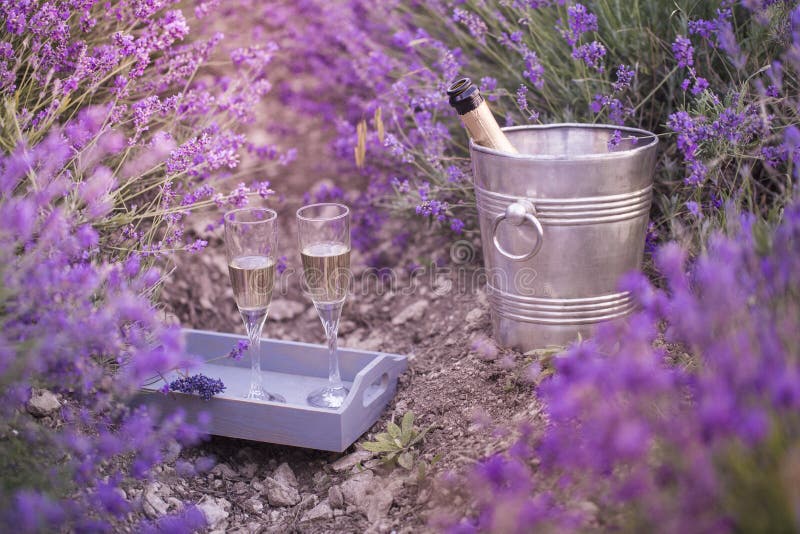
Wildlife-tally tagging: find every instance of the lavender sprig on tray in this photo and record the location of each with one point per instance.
(200, 384)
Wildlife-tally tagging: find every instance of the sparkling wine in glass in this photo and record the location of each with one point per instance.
(324, 233)
(251, 236)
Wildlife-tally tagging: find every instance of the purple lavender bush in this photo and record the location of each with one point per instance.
(693, 431)
(715, 79)
(137, 95)
(114, 128)
(76, 325)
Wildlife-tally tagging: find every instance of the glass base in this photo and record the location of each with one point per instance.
(259, 394)
(328, 397)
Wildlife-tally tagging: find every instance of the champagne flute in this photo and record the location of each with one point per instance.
(324, 234)
(251, 236)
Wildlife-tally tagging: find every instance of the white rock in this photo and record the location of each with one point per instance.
(153, 501)
(42, 403)
(285, 475)
(335, 497)
(249, 470)
(412, 312)
(284, 310)
(254, 505)
(223, 470)
(345, 463)
(216, 512)
(320, 511)
(281, 494)
(369, 494)
(308, 501)
(474, 315)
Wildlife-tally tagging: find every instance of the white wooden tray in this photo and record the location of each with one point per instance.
(292, 370)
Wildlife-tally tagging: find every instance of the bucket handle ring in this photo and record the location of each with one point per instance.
(517, 213)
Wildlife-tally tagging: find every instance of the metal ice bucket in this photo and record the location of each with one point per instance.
(560, 223)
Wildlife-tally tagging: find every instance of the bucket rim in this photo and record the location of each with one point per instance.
(578, 157)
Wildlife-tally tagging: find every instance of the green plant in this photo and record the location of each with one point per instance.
(396, 445)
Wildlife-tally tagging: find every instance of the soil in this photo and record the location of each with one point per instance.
(447, 386)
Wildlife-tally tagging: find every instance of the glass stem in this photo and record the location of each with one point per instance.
(334, 376)
(256, 378)
(329, 313)
(254, 324)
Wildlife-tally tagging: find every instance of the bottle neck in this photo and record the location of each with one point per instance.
(464, 96)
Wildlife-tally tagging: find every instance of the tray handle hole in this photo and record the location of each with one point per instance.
(376, 389)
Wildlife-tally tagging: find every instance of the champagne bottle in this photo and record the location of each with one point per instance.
(476, 116)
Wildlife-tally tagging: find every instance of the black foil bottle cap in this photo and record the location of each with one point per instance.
(464, 95)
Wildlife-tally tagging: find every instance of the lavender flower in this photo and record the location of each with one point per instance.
(591, 54)
(579, 21)
(683, 51)
(484, 347)
(238, 351)
(198, 384)
(625, 76)
(475, 25)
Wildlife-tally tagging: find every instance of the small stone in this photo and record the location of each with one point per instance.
(249, 470)
(280, 528)
(369, 494)
(285, 475)
(280, 494)
(223, 470)
(153, 503)
(215, 511)
(320, 511)
(285, 310)
(412, 312)
(217, 484)
(335, 497)
(345, 463)
(258, 486)
(474, 315)
(254, 505)
(42, 403)
(308, 501)
(240, 488)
